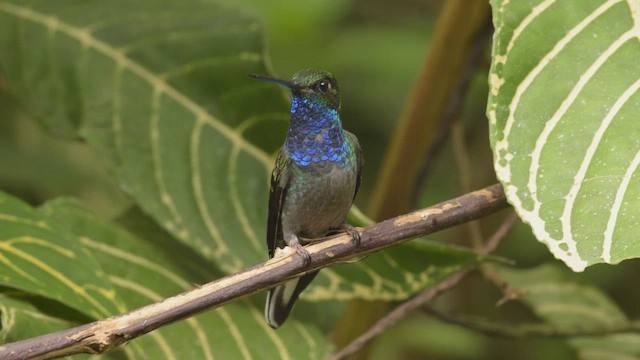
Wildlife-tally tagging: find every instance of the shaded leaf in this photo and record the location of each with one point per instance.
(557, 299)
(24, 315)
(563, 108)
(19, 318)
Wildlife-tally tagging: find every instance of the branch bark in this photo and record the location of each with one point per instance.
(105, 335)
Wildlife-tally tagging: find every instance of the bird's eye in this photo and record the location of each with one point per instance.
(323, 86)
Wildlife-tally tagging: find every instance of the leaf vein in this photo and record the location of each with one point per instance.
(158, 172)
(186, 68)
(235, 333)
(198, 194)
(280, 346)
(615, 208)
(237, 204)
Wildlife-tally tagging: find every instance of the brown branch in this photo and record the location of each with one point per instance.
(404, 309)
(105, 335)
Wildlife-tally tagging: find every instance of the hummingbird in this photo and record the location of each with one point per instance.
(314, 180)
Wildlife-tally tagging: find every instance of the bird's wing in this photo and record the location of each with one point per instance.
(278, 191)
(359, 160)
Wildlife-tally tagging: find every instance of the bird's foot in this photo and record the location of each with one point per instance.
(306, 257)
(351, 230)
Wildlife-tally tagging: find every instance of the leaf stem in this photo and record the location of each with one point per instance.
(530, 330)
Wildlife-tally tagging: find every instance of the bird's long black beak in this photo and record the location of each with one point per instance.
(286, 83)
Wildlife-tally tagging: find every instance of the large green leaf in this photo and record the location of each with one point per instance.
(160, 88)
(142, 273)
(570, 306)
(563, 111)
(39, 257)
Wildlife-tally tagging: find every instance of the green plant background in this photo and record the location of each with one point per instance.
(135, 150)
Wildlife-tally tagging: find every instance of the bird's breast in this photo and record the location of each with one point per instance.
(319, 197)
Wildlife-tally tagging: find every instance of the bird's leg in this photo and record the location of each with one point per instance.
(351, 230)
(294, 242)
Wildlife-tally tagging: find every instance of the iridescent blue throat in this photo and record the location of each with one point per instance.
(315, 135)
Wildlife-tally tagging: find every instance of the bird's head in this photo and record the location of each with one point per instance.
(311, 83)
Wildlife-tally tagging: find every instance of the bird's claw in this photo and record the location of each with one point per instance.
(355, 234)
(306, 257)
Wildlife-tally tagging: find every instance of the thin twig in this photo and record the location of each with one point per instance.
(402, 310)
(463, 163)
(399, 313)
(105, 335)
(489, 272)
(503, 230)
(529, 331)
(465, 173)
